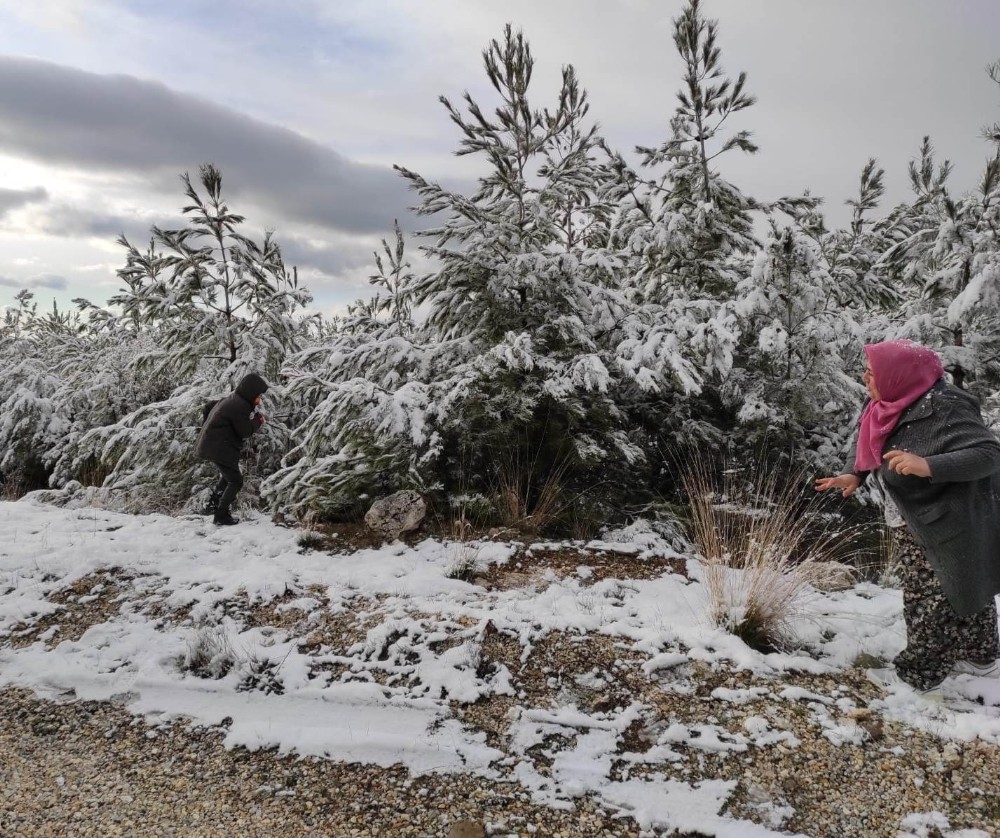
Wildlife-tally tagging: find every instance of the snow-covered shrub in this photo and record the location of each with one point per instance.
(465, 563)
(511, 350)
(33, 419)
(202, 307)
(209, 654)
(795, 383)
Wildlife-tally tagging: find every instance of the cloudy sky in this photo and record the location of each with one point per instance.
(305, 105)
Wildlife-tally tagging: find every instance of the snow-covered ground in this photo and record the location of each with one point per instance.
(385, 699)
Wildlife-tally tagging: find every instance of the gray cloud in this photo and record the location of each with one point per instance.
(57, 114)
(54, 281)
(324, 265)
(330, 260)
(333, 259)
(334, 269)
(13, 198)
(80, 221)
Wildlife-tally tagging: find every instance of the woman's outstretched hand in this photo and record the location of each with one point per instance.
(847, 484)
(903, 462)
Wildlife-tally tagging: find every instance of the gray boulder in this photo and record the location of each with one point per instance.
(397, 513)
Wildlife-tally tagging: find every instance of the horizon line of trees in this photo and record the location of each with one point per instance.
(585, 322)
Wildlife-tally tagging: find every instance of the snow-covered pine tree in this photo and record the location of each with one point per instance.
(946, 257)
(208, 304)
(524, 299)
(813, 297)
(214, 294)
(798, 397)
(908, 260)
(507, 367)
(364, 423)
(31, 421)
(853, 253)
(967, 281)
(974, 259)
(710, 217)
(685, 235)
(101, 385)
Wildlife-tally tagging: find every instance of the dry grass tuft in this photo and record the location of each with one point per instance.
(12, 489)
(766, 547)
(209, 654)
(530, 496)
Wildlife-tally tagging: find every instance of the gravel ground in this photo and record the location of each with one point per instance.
(81, 768)
(90, 769)
(87, 768)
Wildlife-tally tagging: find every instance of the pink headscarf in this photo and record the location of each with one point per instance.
(903, 371)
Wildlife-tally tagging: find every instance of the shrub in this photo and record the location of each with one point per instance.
(209, 654)
(309, 541)
(261, 675)
(765, 548)
(530, 495)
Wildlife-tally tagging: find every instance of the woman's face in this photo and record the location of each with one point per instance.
(869, 381)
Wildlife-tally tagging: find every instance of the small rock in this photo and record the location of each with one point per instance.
(757, 795)
(604, 704)
(467, 829)
(44, 727)
(951, 755)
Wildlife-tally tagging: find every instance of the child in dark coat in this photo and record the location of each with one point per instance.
(230, 421)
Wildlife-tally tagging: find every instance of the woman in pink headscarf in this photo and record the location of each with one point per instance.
(924, 441)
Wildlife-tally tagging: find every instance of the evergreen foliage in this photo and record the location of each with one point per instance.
(854, 254)
(795, 381)
(582, 320)
(944, 256)
(213, 293)
(708, 219)
(512, 350)
(201, 307)
(684, 236)
(364, 409)
(31, 418)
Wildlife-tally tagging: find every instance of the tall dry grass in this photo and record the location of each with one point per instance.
(12, 489)
(767, 547)
(530, 494)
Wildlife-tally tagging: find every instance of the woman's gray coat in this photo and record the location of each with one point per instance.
(954, 515)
